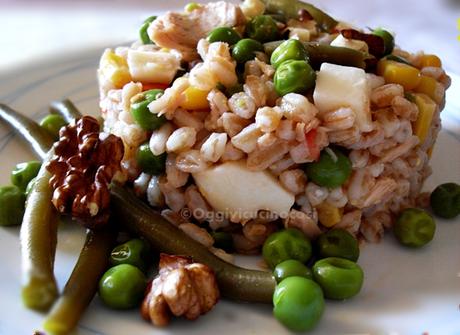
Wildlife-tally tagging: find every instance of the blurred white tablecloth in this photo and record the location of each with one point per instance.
(33, 30)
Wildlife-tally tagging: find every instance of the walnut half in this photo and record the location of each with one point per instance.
(84, 164)
(181, 288)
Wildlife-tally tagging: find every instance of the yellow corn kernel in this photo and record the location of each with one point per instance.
(430, 60)
(329, 215)
(426, 110)
(399, 73)
(114, 68)
(429, 152)
(195, 98)
(430, 87)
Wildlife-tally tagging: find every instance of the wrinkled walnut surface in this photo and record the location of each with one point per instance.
(182, 288)
(84, 164)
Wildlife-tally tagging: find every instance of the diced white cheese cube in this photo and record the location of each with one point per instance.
(344, 86)
(341, 41)
(231, 188)
(153, 66)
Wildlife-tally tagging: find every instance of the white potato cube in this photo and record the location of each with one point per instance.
(344, 86)
(341, 41)
(153, 66)
(231, 188)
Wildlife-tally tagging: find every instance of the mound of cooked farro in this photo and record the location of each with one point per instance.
(239, 120)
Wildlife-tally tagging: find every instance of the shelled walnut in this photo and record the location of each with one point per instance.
(181, 288)
(84, 164)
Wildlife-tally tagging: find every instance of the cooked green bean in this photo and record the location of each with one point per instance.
(234, 282)
(291, 10)
(322, 53)
(82, 284)
(29, 130)
(66, 109)
(38, 244)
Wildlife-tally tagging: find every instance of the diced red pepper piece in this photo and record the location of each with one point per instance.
(151, 86)
(313, 148)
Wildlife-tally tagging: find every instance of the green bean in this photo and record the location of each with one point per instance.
(234, 282)
(291, 10)
(82, 284)
(66, 109)
(38, 244)
(322, 53)
(30, 131)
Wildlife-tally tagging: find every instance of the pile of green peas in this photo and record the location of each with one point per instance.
(13, 197)
(123, 285)
(299, 295)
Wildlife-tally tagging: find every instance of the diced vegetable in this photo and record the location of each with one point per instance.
(430, 87)
(341, 41)
(339, 278)
(343, 86)
(426, 110)
(430, 60)
(286, 244)
(414, 228)
(143, 34)
(153, 66)
(399, 73)
(114, 68)
(234, 189)
(329, 215)
(11, 205)
(388, 39)
(195, 98)
(291, 8)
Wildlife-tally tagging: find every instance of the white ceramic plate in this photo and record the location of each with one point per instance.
(405, 291)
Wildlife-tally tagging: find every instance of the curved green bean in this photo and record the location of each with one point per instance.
(30, 131)
(323, 53)
(82, 284)
(234, 282)
(66, 109)
(38, 244)
(291, 9)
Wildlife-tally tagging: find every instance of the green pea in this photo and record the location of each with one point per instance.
(388, 39)
(263, 28)
(224, 34)
(191, 6)
(291, 268)
(143, 35)
(223, 240)
(122, 286)
(338, 277)
(12, 201)
(294, 76)
(245, 50)
(414, 228)
(134, 252)
(148, 162)
(142, 115)
(288, 50)
(338, 243)
(445, 200)
(23, 173)
(331, 170)
(286, 244)
(52, 124)
(298, 303)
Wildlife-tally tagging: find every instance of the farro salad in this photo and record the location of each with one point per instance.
(265, 127)
(246, 127)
